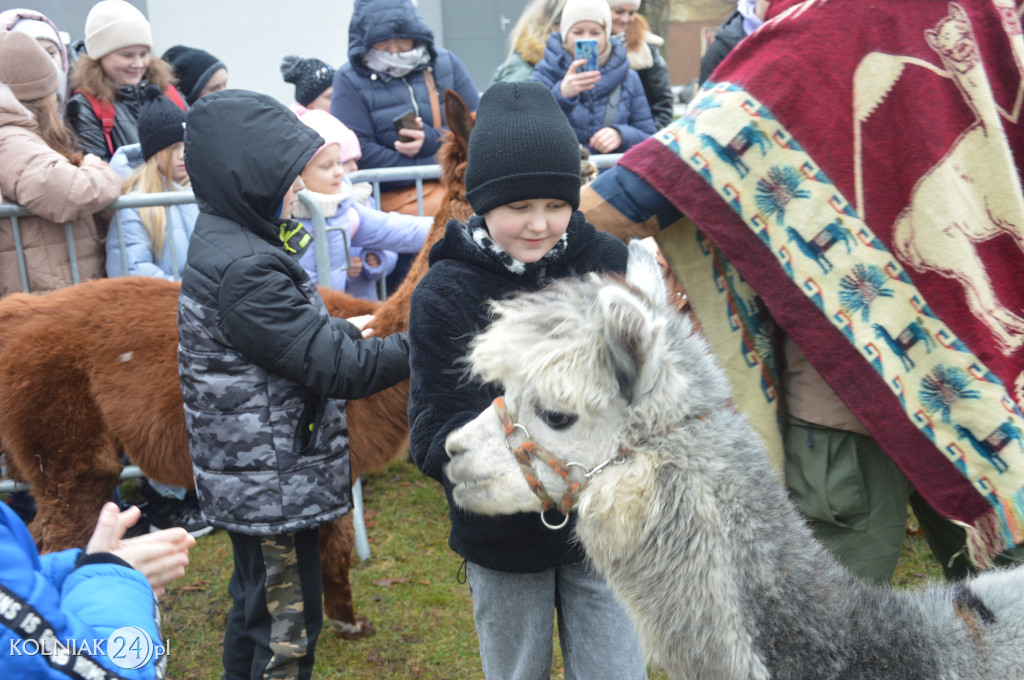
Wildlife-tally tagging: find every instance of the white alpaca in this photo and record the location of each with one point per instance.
(680, 509)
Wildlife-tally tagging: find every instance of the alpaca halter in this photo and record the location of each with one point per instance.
(529, 450)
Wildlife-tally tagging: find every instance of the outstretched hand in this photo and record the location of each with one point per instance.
(161, 556)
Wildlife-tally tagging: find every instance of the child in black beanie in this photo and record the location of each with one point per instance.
(523, 183)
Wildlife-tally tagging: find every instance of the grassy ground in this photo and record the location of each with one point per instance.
(408, 589)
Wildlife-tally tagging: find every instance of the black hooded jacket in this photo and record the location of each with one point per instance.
(448, 308)
(263, 367)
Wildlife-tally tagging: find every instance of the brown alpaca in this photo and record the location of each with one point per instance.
(90, 371)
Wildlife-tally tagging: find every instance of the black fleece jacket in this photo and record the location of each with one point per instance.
(448, 307)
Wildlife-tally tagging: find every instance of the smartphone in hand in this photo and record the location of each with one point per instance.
(406, 121)
(587, 49)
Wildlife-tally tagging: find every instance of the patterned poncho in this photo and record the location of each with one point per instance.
(851, 173)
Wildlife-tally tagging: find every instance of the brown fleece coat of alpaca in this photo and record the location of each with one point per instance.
(90, 371)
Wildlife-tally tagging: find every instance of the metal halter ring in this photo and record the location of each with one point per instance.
(516, 426)
(553, 527)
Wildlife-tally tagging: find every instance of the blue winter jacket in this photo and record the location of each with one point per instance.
(367, 101)
(586, 111)
(77, 600)
(142, 261)
(378, 232)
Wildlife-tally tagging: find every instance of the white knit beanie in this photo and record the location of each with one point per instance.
(576, 11)
(113, 24)
(619, 3)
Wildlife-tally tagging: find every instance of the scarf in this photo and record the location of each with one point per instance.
(329, 205)
(751, 22)
(478, 233)
(397, 65)
(884, 237)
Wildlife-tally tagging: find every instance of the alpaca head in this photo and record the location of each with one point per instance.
(589, 367)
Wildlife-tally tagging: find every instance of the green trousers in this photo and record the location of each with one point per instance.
(856, 499)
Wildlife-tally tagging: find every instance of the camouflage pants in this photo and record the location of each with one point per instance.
(276, 611)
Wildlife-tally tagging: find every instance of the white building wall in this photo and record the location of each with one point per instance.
(249, 36)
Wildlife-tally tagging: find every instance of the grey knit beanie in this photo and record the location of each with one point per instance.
(522, 147)
(26, 68)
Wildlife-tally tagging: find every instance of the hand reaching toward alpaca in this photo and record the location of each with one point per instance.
(161, 556)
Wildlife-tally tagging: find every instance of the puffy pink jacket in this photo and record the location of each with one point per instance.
(42, 180)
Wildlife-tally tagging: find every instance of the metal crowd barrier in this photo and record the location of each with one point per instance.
(419, 173)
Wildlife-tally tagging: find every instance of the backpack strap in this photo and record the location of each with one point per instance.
(435, 106)
(613, 105)
(105, 113)
(171, 92)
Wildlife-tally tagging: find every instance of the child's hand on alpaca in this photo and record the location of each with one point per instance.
(362, 323)
(606, 140)
(372, 260)
(355, 267)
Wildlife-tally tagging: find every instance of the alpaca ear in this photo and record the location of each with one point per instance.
(644, 273)
(630, 332)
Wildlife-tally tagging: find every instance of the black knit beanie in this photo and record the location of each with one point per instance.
(194, 67)
(161, 123)
(309, 76)
(521, 147)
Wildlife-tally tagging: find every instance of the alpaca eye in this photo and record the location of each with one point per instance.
(556, 420)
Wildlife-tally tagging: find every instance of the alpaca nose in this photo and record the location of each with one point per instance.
(452, 447)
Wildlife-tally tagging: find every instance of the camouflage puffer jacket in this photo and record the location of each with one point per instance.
(263, 367)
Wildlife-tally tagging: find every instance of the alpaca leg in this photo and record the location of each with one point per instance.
(68, 505)
(336, 541)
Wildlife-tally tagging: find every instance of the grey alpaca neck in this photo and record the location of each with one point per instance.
(754, 595)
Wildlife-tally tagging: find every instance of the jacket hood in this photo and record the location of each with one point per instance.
(243, 150)
(557, 59)
(12, 111)
(374, 21)
(10, 17)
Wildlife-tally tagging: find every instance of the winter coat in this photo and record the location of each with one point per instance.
(728, 35)
(142, 261)
(45, 182)
(586, 111)
(264, 369)
(652, 68)
(448, 308)
(75, 598)
(366, 230)
(367, 101)
(82, 119)
(529, 49)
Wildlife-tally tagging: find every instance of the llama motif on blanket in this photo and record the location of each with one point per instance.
(911, 158)
(630, 419)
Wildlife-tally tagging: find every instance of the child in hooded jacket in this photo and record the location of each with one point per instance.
(373, 237)
(523, 183)
(607, 108)
(265, 372)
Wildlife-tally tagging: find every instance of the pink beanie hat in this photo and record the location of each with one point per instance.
(334, 132)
